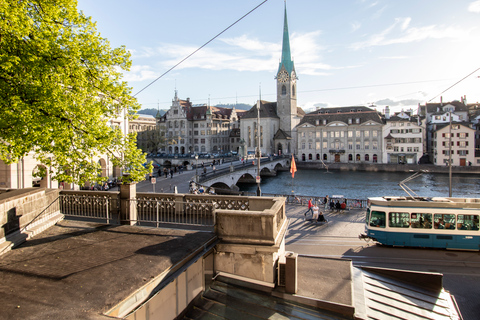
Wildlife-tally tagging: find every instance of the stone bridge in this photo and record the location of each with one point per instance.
(227, 178)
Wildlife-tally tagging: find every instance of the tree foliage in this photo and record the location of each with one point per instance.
(60, 85)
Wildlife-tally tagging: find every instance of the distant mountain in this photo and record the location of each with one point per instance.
(152, 111)
(241, 106)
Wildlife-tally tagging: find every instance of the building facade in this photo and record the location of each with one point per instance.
(345, 134)
(459, 140)
(192, 129)
(403, 138)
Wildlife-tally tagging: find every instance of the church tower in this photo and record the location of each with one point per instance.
(286, 85)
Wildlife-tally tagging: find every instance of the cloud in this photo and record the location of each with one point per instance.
(394, 58)
(355, 26)
(400, 32)
(239, 53)
(392, 103)
(140, 73)
(474, 7)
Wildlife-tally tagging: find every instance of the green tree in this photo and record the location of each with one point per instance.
(60, 84)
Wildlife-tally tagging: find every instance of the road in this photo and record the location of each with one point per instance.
(339, 239)
(180, 180)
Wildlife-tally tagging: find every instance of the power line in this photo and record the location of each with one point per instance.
(206, 43)
(455, 84)
(326, 89)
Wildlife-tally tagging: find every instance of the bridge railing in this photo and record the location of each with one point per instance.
(249, 163)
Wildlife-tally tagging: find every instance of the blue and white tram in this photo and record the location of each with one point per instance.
(451, 223)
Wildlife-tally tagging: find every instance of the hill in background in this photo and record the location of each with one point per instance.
(153, 111)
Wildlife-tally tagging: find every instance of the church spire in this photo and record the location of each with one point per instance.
(286, 56)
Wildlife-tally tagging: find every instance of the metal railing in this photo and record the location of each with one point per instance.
(158, 212)
(303, 200)
(90, 206)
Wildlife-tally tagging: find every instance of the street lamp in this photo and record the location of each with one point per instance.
(196, 167)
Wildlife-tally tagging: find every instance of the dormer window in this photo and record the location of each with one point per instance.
(357, 120)
(317, 122)
(350, 121)
(324, 121)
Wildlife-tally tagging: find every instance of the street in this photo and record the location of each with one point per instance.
(339, 239)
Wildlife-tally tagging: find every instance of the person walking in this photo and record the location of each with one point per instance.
(310, 205)
(325, 202)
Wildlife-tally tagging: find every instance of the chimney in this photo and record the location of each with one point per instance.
(387, 112)
(441, 101)
(465, 99)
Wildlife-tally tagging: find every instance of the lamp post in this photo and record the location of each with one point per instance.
(259, 154)
(196, 168)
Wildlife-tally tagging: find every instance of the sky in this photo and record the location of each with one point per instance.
(346, 53)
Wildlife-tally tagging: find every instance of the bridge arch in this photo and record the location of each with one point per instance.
(220, 185)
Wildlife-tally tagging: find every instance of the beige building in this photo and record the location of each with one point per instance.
(192, 129)
(459, 140)
(345, 134)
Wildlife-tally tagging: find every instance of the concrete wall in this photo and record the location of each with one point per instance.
(174, 298)
(251, 241)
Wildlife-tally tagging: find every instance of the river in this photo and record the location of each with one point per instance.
(361, 184)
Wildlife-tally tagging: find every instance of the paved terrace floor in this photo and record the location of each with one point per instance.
(78, 270)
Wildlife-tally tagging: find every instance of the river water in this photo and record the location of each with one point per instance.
(361, 184)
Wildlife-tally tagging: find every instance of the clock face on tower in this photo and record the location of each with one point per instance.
(282, 76)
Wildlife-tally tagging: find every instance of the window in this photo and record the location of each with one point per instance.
(350, 134)
(366, 134)
(202, 140)
(367, 157)
(444, 221)
(357, 134)
(310, 157)
(357, 146)
(350, 157)
(325, 144)
(399, 219)
(350, 145)
(366, 145)
(421, 220)
(284, 90)
(374, 133)
(325, 133)
(375, 144)
(377, 219)
(303, 145)
(467, 222)
(324, 156)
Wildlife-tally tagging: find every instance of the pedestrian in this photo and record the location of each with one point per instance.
(325, 202)
(214, 169)
(332, 205)
(337, 206)
(204, 170)
(310, 205)
(316, 211)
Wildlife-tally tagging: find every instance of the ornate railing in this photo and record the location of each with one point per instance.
(91, 205)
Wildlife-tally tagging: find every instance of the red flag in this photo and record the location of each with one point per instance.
(293, 167)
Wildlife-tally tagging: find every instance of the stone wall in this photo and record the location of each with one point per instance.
(23, 211)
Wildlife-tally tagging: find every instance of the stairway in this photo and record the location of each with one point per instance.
(226, 301)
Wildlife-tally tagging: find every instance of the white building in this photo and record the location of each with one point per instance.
(404, 137)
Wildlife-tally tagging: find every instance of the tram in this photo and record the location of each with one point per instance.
(450, 223)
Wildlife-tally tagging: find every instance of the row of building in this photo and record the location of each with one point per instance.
(357, 134)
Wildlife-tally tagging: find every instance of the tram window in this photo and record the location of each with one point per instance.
(367, 218)
(399, 219)
(377, 219)
(467, 222)
(421, 220)
(444, 221)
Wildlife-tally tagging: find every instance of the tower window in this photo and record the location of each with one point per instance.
(293, 90)
(284, 90)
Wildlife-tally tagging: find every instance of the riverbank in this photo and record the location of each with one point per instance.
(377, 167)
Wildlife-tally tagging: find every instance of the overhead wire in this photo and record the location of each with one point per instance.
(200, 48)
(453, 85)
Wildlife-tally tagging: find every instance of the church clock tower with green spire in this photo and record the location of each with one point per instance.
(286, 86)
